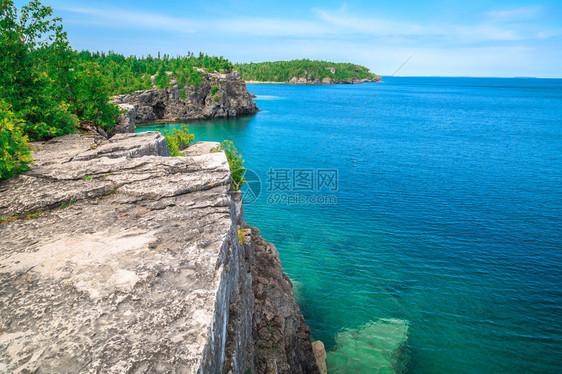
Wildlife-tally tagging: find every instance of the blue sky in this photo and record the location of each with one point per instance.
(446, 38)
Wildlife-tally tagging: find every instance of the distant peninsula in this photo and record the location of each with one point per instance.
(305, 72)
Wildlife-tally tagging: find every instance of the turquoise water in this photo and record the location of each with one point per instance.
(440, 250)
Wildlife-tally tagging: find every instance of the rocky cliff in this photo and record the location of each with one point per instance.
(218, 96)
(305, 80)
(117, 259)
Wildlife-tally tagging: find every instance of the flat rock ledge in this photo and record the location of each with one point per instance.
(117, 259)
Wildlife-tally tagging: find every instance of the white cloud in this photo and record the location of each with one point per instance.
(514, 13)
(387, 27)
(126, 17)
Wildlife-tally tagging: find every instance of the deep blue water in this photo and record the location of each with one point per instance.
(443, 251)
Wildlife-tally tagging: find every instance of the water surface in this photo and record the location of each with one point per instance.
(442, 251)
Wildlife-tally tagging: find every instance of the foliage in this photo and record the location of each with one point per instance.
(15, 154)
(128, 74)
(283, 71)
(35, 69)
(48, 89)
(236, 163)
(214, 89)
(91, 97)
(162, 79)
(216, 98)
(177, 139)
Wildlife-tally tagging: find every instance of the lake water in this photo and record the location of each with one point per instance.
(420, 219)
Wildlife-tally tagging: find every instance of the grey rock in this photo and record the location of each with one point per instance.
(281, 336)
(137, 263)
(200, 148)
(166, 105)
(138, 275)
(126, 120)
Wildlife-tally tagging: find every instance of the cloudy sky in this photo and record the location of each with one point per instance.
(446, 38)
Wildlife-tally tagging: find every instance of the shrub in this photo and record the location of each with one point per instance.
(216, 98)
(15, 154)
(236, 163)
(177, 139)
(214, 89)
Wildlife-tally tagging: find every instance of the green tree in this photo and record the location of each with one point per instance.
(162, 80)
(90, 97)
(28, 82)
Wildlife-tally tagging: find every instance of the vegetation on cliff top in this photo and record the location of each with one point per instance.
(128, 74)
(177, 139)
(47, 89)
(283, 71)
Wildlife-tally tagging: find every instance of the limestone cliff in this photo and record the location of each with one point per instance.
(117, 259)
(218, 96)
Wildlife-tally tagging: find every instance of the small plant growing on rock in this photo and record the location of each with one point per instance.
(236, 163)
(177, 139)
(241, 234)
(216, 98)
(64, 206)
(214, 89)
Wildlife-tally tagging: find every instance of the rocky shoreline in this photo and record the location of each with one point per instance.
(325, 81)
(220, 95)
(118, 259)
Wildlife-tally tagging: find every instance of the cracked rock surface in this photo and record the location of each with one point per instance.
(114, 259)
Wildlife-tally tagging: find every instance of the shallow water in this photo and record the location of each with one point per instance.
(445, 220)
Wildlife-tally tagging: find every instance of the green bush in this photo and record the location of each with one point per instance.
(236, 163)
(216, 98)
(214, 90)
(177, 139)
(15, 154)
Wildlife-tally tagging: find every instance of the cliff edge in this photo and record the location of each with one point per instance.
(117, 259)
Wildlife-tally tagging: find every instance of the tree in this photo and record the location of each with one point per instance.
(35, 69)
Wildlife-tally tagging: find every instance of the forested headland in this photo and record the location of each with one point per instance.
(284, 71)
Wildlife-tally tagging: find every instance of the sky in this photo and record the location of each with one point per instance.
(406, 38)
